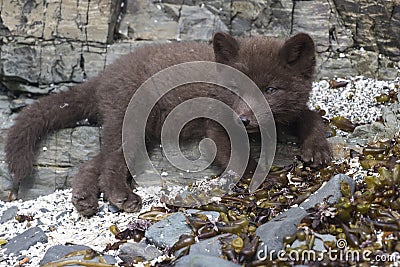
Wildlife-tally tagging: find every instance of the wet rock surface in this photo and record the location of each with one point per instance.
(57, 252)
(210, 247)
(167, 232)
(272, 233)
(25, 240)
(9, 214)
(128, 252)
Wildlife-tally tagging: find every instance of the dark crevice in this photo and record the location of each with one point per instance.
(118, 11)
(231, 16)
(292, 17)
(87, 21)
(82, 65)
(179, 17)
(39, 165)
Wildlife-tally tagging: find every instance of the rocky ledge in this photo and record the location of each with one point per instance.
(351, 204)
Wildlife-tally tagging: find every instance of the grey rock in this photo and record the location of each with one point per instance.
(62, 63)
(129, 251)
(275, 19)
(44, 210)
(9, 214)
(25, 240)
(59, 157)
(211, 246)
(316, 22)
(365, 62)
(26, 88)
(329, 192)
(367, 132)
(203, 261)
(271, 233)
(57, 252)
(112, 208)
(161, 164)
(20, 61)
(240, 26)
(19, 103)
(5, 114)
(285, 154)
(165, 233)
(61, 214)
(212, 215)
(387, 129)
(341, 147)
(158, 26)
(244, 13)
(93, 22)
(6, 185)
(94, 61)
(5, 104)
(331, 65)
(355, 62)
(198, 23)
(117, 50)
(363, 16)
(387, 69)
(318, 241)
(340, 37)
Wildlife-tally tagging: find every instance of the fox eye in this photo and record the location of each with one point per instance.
(269, 90)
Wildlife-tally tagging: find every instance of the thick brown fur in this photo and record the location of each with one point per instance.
(282, 69)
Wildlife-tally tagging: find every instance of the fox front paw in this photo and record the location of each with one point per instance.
(124, 199)
(316, 151)
(86, 203)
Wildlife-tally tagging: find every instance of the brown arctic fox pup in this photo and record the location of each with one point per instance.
(282, 69)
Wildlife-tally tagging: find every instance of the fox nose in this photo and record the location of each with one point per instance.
(244, 120)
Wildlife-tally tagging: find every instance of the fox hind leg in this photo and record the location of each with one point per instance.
(113, 183)
(85, 186)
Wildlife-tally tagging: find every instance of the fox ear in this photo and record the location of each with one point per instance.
(226, 48)
(299, 52)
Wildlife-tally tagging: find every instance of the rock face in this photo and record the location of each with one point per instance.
(23, 241)
(48, 46)
(375, 26)
(57, 163)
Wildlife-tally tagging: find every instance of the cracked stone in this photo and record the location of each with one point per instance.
(316, 22)
(198, 23)
(158, 26)
(57, 163)
(129, 251)
(165, 233)
(9, 214)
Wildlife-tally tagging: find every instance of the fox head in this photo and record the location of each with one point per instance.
(282, 69)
